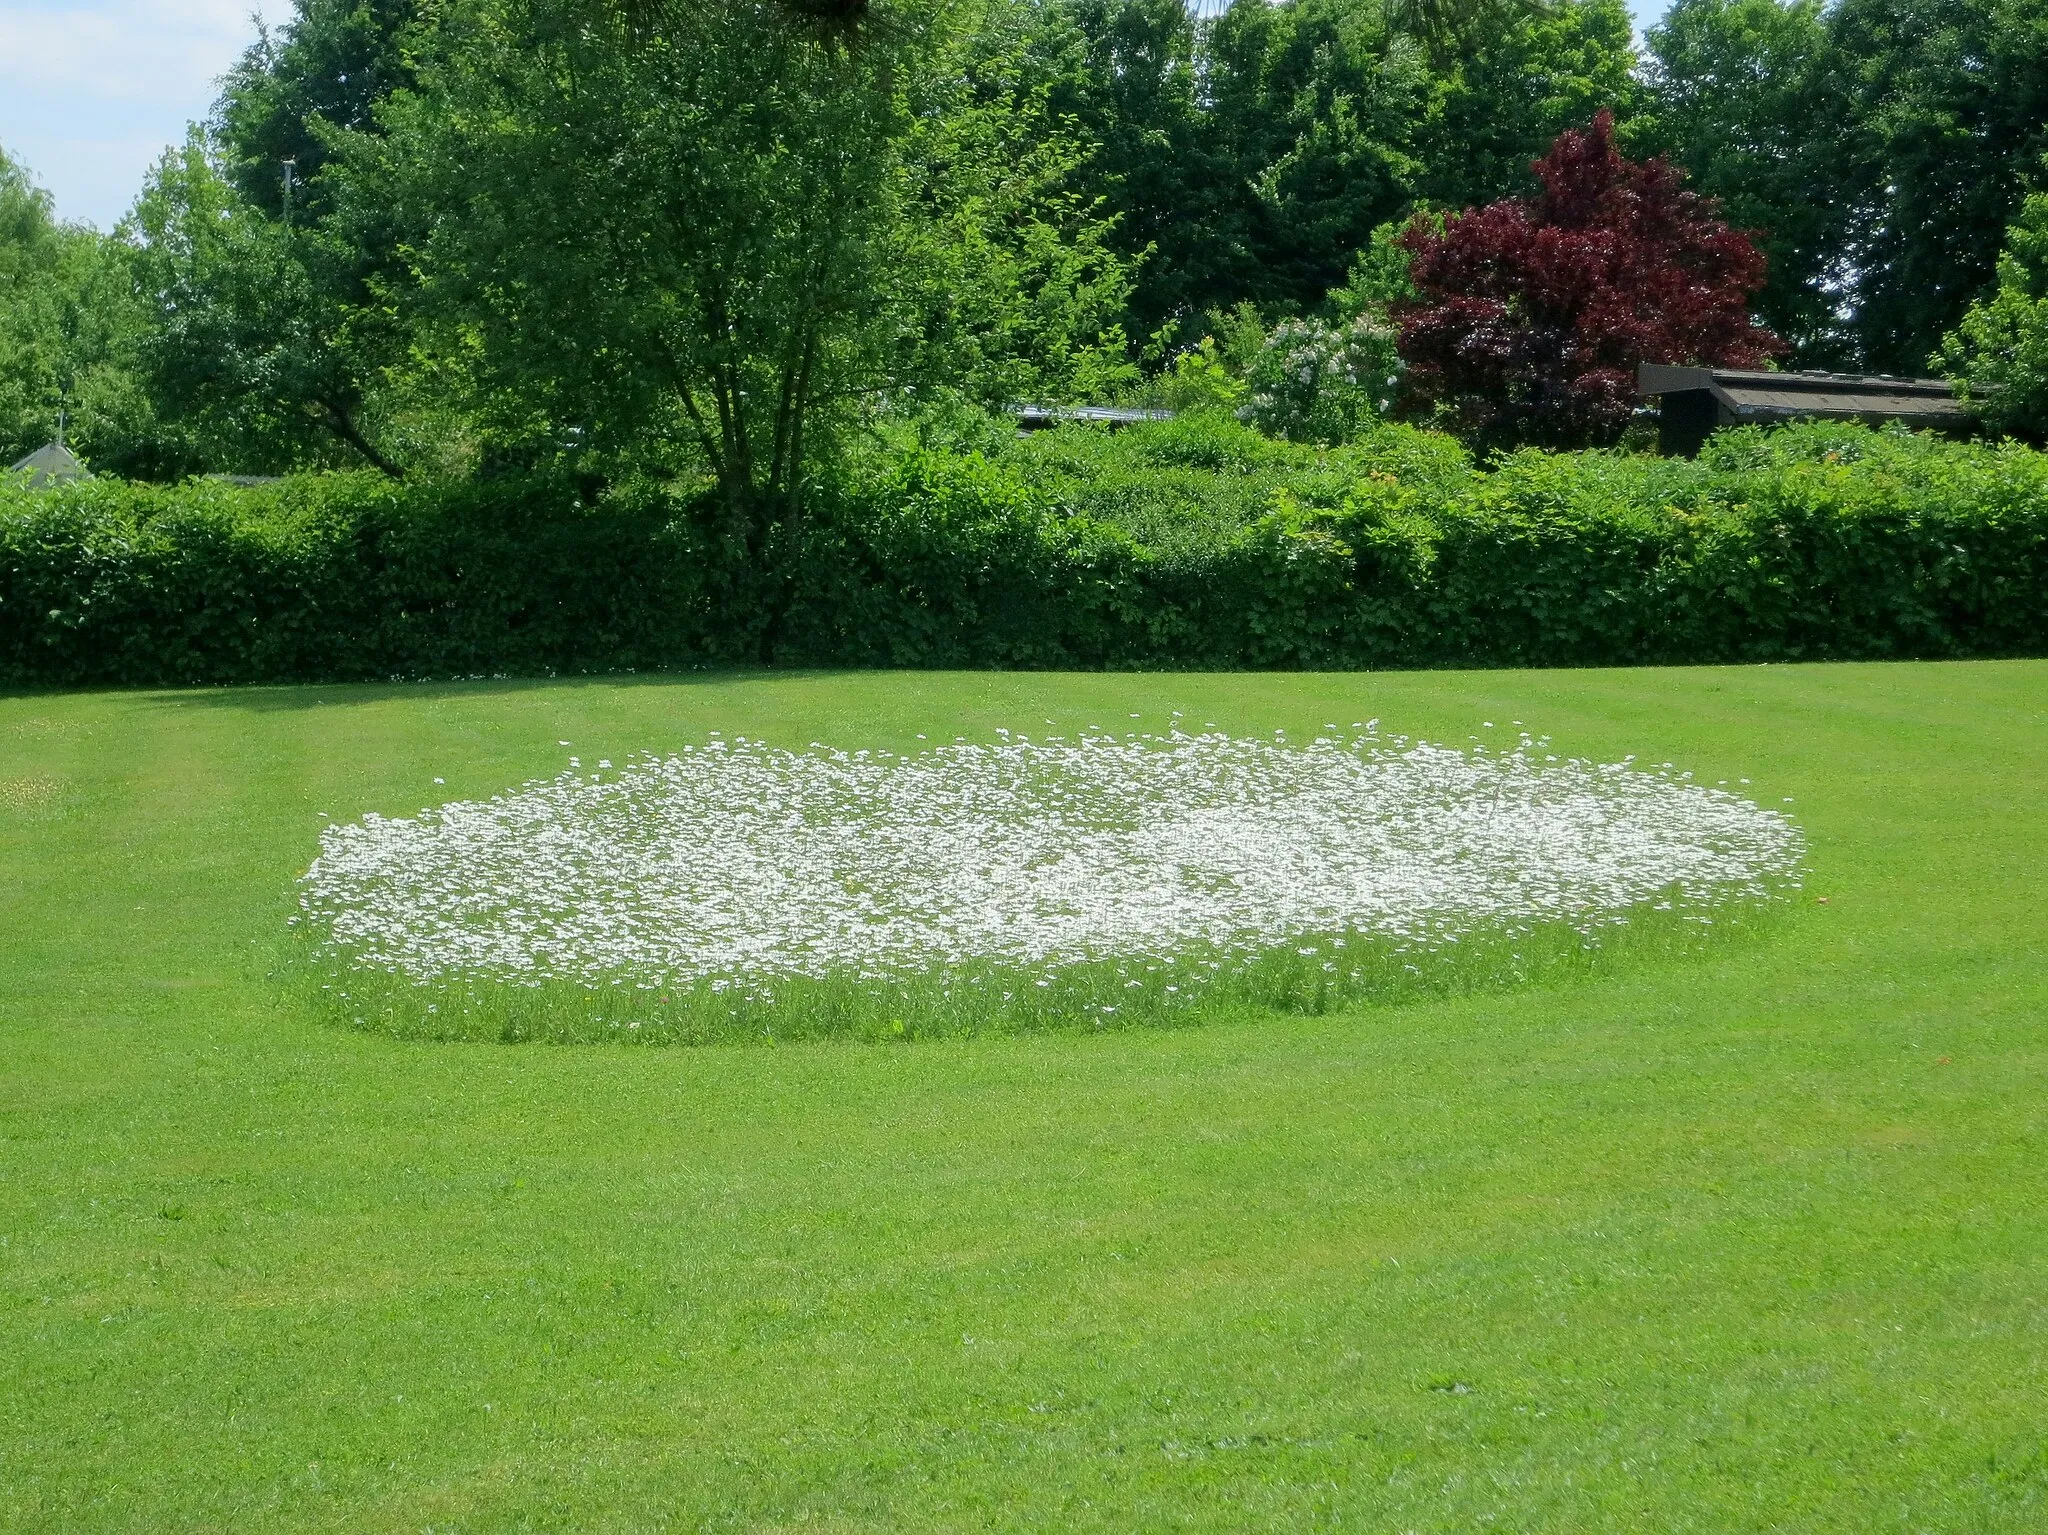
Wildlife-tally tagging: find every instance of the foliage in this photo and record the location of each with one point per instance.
(253, 348)
(1312, 108)
(1125, 75)
(491, 235)
(1999, 353)
(1198, 380)
(329, 69)
(1187, 487)
(1248, 157)
(1529, 75)
(262, 344)
(774, 231)
(1883, 145)
(1746, 95)
(1201, 545)
(1946, 132)
(1330, 376)
(1534, 312)
(1321, 382)
(65, 321)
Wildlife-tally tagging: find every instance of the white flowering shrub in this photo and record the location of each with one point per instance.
(1156, 864)
(1314, 381)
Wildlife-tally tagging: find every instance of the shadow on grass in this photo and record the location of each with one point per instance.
(275, 698)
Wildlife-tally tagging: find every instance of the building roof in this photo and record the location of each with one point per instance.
(1034, 417)
(1754, 395)
(50, 464)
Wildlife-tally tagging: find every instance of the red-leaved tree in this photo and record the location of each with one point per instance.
(1533, 312)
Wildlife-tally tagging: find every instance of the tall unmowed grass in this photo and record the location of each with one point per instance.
(1314, 974)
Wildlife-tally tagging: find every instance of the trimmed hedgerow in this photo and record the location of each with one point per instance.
(1811, 542)
(334, 576)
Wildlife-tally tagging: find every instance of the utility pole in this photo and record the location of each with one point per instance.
(290, 168)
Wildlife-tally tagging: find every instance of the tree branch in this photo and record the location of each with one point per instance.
(337, 421)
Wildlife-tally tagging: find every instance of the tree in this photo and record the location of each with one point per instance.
(1247, 157)
(66, 317)
(34, 255)
(1945, 136)
(1311, 110)
(1882, 146)
(1502, 99)
(1533, 313)
(1749, 99)
(328, 69)
(1124, 74)
(252, 349)
(1999, 352)
(725, 231)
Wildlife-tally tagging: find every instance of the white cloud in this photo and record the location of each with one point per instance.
(90, 95)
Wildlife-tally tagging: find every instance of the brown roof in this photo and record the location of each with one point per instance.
(1755, 395)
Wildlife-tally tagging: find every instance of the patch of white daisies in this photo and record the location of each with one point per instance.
(739, 864)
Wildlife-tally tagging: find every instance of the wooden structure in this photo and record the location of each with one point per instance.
(1695, 402)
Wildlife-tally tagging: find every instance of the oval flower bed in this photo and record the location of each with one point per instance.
(1058, 878)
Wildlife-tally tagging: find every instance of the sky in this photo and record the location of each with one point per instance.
(92, 93)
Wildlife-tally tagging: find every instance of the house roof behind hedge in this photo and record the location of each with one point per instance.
(1752, 395)
(50, 465)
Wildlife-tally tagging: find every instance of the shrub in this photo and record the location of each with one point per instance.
(1534, 312)
(1199, 480)
(1999, 353)
(341, 576)
(1807, 543)
(1315, 381)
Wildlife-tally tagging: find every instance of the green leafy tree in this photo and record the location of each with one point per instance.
(34, 362)
(1125, 75)
(328, 69)
(730, 230)
(66, 318)
(1748, 98)
(1999, 352)
(1249, 156)
(1945, 135)
(251, 349)
(1523, 77)
(1312, 108)
(261, 345)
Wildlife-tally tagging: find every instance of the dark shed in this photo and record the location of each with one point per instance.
(1696, 401)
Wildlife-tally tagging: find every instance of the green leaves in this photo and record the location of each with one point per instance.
(1882, 146)
(1190, 543)
(253, 348)
(1999, 353)
(719, 244)
(65, 321)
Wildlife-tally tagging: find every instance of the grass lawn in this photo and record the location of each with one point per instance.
(1754, 1240)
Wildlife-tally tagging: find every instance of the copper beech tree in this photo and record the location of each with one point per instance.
(1532, 313)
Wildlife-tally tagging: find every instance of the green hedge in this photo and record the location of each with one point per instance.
(1808, 543)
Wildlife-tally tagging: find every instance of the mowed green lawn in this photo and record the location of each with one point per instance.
(1751, 1241)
